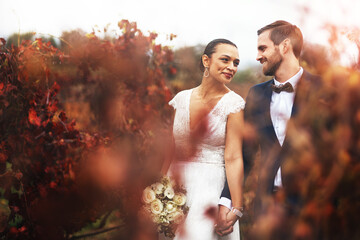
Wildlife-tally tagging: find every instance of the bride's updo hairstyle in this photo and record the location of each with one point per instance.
(211, 48)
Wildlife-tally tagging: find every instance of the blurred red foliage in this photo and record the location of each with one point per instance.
(56, 178)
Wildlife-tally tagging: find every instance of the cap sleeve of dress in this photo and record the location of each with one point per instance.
(176, 101)
(173, 103)
(236, 103)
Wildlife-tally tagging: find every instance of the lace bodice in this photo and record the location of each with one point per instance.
(212, 145)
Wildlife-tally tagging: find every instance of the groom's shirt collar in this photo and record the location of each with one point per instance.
(293, 80)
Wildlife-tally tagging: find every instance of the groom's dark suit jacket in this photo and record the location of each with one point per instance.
(272, 154)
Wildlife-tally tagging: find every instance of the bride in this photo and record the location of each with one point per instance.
(207, 130)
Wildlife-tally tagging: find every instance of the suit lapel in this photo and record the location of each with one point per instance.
(275, 144)
(295, 108)
(270, 131)
(301, 84)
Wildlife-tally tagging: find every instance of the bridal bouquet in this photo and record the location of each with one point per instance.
(165, 203)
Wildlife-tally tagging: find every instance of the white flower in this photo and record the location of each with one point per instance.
(171, 217)
(175, 217)
(169, 192)
(148, 195)
(165, 221)
(170, 207)
(158, 188)
(156, 219)
(156, 206)
(180, 199)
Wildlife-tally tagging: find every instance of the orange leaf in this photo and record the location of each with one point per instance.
(1, 88)
(90, 35)
(3, 158)
(173, 71)
(33, 118)
(157, 48)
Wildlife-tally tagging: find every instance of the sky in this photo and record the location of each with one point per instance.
(193, 21)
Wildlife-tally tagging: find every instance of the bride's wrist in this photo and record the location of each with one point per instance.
(238, 211)
(238, 208)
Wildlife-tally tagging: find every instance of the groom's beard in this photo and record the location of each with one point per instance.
(274, 63)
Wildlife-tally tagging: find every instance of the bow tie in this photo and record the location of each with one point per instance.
(287, 87)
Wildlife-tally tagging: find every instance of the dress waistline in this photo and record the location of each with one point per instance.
(202, 162)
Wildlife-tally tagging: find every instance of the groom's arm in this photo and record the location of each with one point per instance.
(225, 198)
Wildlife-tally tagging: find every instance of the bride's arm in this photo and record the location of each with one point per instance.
(169, 152)
(234, 159)
(168, 157)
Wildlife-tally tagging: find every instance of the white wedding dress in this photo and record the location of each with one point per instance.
(203, 174)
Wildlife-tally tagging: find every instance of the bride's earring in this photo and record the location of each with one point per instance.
(206, 72)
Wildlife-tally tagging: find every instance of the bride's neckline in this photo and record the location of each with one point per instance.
(210, 112)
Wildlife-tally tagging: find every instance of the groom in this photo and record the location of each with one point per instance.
(269, 106)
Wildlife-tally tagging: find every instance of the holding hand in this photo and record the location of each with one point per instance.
(225, 222)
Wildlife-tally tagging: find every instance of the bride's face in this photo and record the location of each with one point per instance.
(223, 63)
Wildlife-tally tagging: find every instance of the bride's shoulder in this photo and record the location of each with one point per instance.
(234, 103)
(235, 97)
(182, 94)
(179, 98)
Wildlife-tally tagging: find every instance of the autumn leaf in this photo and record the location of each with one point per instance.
(90, 35)
(172, 36)
(1, 88)
(3, 41)
(173, 71)
(3, 157)
(62, 116)
(152, 89)
(33, 117)
(53, 184)
(157, 48)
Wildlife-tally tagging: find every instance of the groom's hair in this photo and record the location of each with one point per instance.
(211, 48)
(281, 30)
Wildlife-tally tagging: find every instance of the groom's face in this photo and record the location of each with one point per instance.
(268, 54)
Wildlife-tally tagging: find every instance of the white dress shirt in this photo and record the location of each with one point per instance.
(280, 111)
